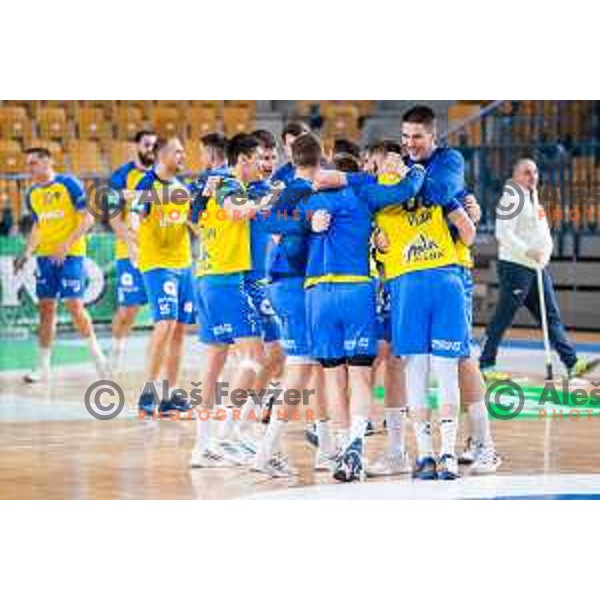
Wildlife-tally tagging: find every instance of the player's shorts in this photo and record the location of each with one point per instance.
(466, 277)
(130, 284)
(171, 294)
(429, 313)
(342, 320)
(60, 280)
(289, 301)
(268, 322)
(224, 310)
(384, 311)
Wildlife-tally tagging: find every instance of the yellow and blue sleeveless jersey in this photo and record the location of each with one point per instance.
(224, 240)
(342, 253)
(126, 177)
(164, 238)
(56, 208)
(463, 252)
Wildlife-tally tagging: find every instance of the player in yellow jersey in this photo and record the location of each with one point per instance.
(57, 204)
(165, 260)
(131, 294)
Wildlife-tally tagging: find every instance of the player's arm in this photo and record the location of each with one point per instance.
(328, 179)
(445, 179)
(381, 196)
(459, 218)
(33, 240)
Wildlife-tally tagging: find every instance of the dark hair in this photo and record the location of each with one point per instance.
(295, 128)
(306, 151)
(40, 151)
(266, 139)
(344, 146)
(137, 138)
(420, 114)
(240, 144)
(348, 163)
(216, 141)
(160, 143)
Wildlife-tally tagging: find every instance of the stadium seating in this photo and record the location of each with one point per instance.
(52, 123)
(86, 158)
(11, 157)
(14, 123)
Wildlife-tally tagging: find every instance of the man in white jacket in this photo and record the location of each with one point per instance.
(525, 244)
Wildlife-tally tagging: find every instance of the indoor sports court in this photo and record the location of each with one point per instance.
(546, 435)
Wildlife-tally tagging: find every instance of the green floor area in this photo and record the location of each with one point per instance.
(22, 354)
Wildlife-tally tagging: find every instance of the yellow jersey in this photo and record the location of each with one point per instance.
(56, 207)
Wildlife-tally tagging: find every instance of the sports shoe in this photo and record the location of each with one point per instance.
(324, 462)
(37, 376)
(233, 453)
(467, 456)
(275, 466)
(490, 374)
(210, 457)
(101, 366)
(311, 436)
(582, 367)
(486, 461)
(389, 463)
(247, 446)
(447, 467)
(349, 464)
(425, 469)
(176, 408)
(146, 403)
(370, 429)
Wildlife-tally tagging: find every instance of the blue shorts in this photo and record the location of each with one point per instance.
(130, 284)
(384, 311)
(342, 320)
(429, 313)
(171, 294)
(268, 322)
(64, 280)
(466, 277)
(224, 310)
(289, 301)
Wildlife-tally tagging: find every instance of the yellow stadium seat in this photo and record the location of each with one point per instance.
(201, 121)
(10, 194)
(69, 106)
(129, 120)
(120, 153)
(215, 105)
(14, 123)
(236, 120)
(249, 105)
(193, 156)
(11, 157)
(91, 124)
(166, 121)
(341, 120)
(85, 158)
(52, 123)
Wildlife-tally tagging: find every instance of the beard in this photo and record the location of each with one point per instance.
(146, 159)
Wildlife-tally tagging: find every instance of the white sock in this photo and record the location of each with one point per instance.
(448, 431)
(395, 419)
(94, 347)
(480, 425)
(326, 442)
(118, 345)
(226, 425)
(202, 433)
(270, 443)
(359, 427)
(423, 433)
(44, 359)
(342, 438)
(249, 407)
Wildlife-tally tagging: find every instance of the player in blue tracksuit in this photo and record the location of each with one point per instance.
(286, 172)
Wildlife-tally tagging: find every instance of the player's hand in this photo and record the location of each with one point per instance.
(60, 254)
(134, 253)
(20, 261)
(473, 208)
(320, 222)
(210, 187)
(535, 254)
(381, 241)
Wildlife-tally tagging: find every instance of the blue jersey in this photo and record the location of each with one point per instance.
(284, 174)
(197, 186)
(260, 237)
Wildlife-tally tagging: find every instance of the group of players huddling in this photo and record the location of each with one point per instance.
(313, 274)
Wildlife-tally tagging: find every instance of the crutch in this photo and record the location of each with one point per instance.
(542, 298)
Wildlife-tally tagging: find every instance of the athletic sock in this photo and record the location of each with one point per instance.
(395, 419)
(480, 425)
(448, 430)
(116, 353)
(270, 443)
(359, 427)
(44, 359)
(423, 433)
(249, 407)
(226, 425)
(326, 441)
(202, 433)
(94, 347)
(342, 438)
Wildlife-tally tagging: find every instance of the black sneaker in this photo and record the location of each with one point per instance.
(175, 407)
(311, 435)
(146, 404)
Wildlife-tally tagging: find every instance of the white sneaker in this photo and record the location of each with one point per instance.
(486, 461)
(102, 367)
(275, 466)
(233, 453)
(209, 458)
(323, 461)
(467, 457)
(447, 467)
(247, 446)
(390, 463)
(37, 376)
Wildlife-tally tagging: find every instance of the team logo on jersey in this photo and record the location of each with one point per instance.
(170, 288)
(266, 308)
(127, 280)
(188, 307)
(422, 249)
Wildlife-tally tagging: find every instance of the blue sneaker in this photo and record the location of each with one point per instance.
(311, 436)
(447, 467)
(146, 404)
(175, 407)
(425, 469)
(349, 464)
(370, 429)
